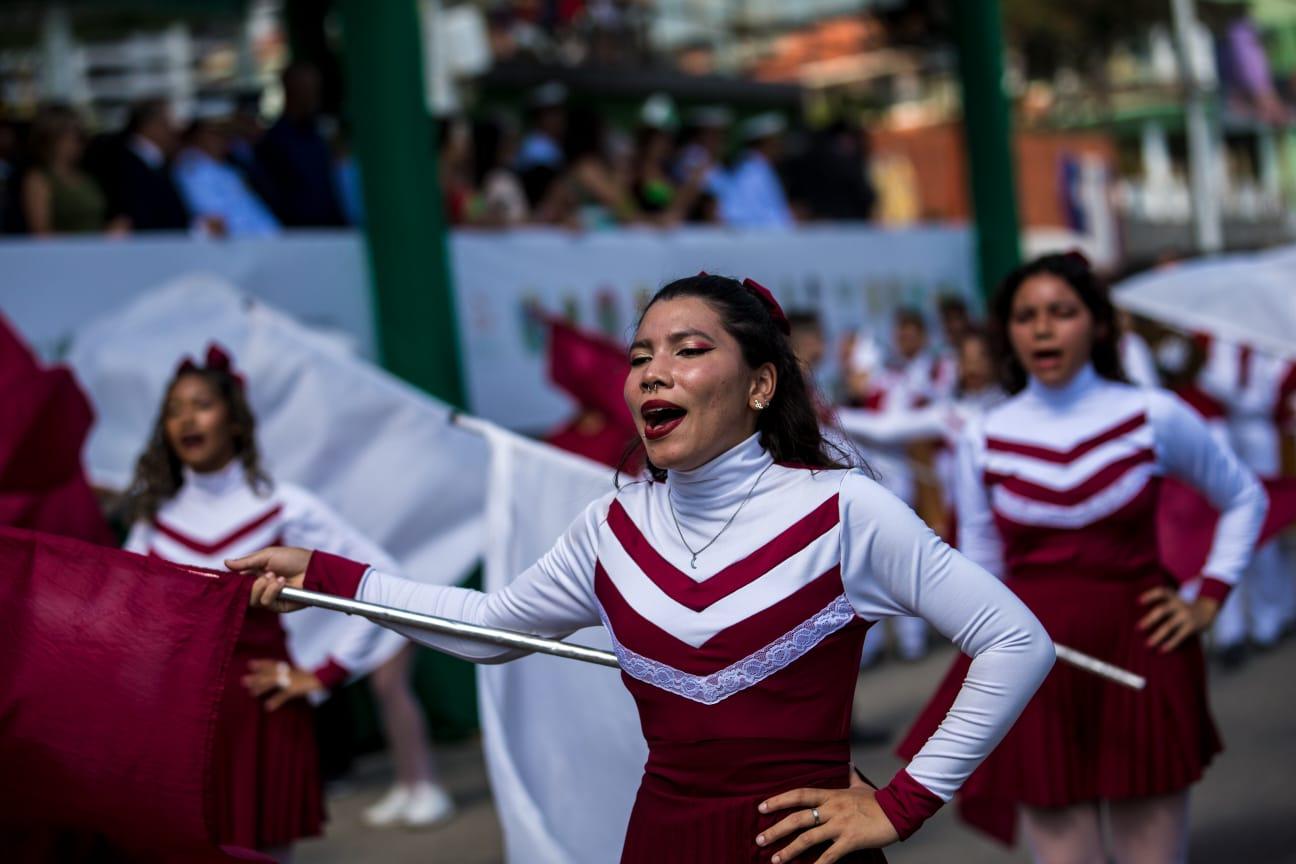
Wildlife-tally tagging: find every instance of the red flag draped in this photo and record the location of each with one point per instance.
(47, 418)
(110, 682)
(592, 370)
(1186, 523)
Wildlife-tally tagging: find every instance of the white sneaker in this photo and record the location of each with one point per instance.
(389, 809)
(428, 804)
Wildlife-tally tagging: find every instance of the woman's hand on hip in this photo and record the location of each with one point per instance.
(846, 819)
(1171, 619)
(281, 680)
(275, 568)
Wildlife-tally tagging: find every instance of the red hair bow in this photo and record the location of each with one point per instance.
(218, 360)
(766, 297)
(763, 294)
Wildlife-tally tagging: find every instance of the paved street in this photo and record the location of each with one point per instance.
(1244, 811)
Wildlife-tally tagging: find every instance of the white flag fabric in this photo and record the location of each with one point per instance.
(1248, 299)
(379, 452)
(562, 738)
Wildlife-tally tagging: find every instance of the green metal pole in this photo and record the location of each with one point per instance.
(392, 135)
(987, 130)
(405, 231)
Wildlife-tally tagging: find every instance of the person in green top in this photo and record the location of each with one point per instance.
(57, 196)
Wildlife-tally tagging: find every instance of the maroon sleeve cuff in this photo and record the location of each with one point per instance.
(333, 574)
(907, 803)
(332, 674)
(1214, 589)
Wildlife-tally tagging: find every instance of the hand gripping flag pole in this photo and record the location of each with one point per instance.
(538, 644)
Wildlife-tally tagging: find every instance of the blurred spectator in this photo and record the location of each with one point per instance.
(503, 200)
(591, 193)
(244, 130)
(925, 377)
(654, 188)
(135, 174)
(296, 158)
(829, 179)
(752, 195)
(214, 189)
(454, 170)
(540, 155)
(8, 164)
(954, 319)
(702, 144)
(346, 176)
(57, 196)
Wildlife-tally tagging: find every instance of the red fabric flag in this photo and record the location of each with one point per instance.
(1186, 523)
(47, 418)
(591, 369)
(110, 683)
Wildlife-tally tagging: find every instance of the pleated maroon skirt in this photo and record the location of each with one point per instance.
(697, 802)
(1083, 738)
(268, 790)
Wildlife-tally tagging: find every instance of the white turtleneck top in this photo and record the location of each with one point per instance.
(219, 515)
(1074, 456)
(890, 564)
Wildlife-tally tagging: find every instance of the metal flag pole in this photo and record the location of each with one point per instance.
(527, 642)
(449, 627)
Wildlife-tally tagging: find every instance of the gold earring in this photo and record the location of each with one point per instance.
(758, 405)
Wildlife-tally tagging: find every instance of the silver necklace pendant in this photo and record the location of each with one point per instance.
(693, 562)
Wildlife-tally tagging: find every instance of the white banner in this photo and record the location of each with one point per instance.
(381, 453)
(562, 739)
(853, 276)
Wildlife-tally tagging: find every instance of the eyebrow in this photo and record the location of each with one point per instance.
(676, 336)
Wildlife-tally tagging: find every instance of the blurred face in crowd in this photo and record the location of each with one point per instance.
(68, 147)
(1051, 329)
(955, 323)
(211, 139)
(807, 342)
(197, 425)
(552, 122)
(689, 389)
(976, 365)
(301, 92)
(910, 339)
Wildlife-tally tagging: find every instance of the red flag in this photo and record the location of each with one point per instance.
(592, 369)
(1186, 523)
(110, 683)
(47, 418)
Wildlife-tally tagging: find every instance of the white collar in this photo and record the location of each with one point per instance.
(724, 481)
(215, 483)
(1079, 384)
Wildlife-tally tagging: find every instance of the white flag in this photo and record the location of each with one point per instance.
(563, 742)
(380, 453)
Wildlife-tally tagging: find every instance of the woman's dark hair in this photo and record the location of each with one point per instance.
(158, 475)
(1073, 269)
(789, 427)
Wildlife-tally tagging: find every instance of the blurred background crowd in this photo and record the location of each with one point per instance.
(122, 117)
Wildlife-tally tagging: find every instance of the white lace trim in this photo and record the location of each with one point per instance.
(747, 672)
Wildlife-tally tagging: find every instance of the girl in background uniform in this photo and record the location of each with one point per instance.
(1057, 492)
(200, 495)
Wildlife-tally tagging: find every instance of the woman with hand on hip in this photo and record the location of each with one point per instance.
(1057, 490)
(737, 583)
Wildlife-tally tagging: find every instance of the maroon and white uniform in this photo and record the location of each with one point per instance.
(743, 659)
(1256, 391)
(1058, 491)
(267, 779)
